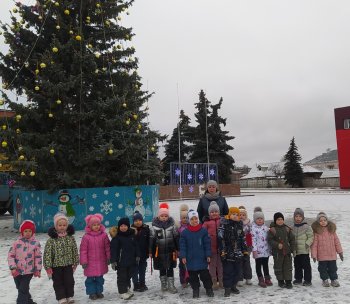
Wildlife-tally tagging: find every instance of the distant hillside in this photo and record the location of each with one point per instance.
(325, 157)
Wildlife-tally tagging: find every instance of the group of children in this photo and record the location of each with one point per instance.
(215, 250)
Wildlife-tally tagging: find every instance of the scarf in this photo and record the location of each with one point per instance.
(62, 234)
(194, 228)
(213, 196)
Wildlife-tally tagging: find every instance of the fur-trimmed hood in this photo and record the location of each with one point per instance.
(317, 228)
(113, 231)
(53, 233)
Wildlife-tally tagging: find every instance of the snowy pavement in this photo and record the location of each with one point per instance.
(335, 203)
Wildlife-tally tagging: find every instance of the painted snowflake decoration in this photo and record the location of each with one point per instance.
(200, 176)
(26, 198)
(189, 176)
(106, 223)
(212, 172)
(94, 196)
(120, 206)
(38, 198)
(118, 218)
(91, 208)
(191, 189)
(117, 194)
(32, 194)
(32, 211)
(25, 210)
(179, 189)
(106, 207)
(39, 211)
(177, 172)
(48, 220)
(105, 192)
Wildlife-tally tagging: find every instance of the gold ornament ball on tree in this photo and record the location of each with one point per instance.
(43, 65)
(18, 117)
(18, 131)
(37, 88)
(58, 101)
(4, 127)
(153, 149)
(89, 46)
(128, 122)
(52, 151)
(97, 54)
(135, 116)
(57, 4)
(4, 144)
(32, 173)
(21, 157)
(137, 131)
(58, 27)
(139, 126)
(98, 5)
(40, 18)
(1, 102)
(20, 148)
(37, 71)
(50, 115)
(15, 10)
(71, 32)
(124, 105)
(78, 37)
(55, 49)
(110, 151)
(66, 12)
(23, 173)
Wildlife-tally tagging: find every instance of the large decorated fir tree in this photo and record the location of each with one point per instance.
(83, 122)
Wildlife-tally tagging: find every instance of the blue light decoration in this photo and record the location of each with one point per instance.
(112, 202)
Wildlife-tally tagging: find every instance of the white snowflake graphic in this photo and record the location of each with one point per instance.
(48, 220)
(106, 207)
(106, 223)
(179, 189)
(25, 210)
(26, 198)
(191, 189)
(118, 218)
(38, 198)
(189, 176)
(117, 194)
(177, 171)
(201, 176)
(94, 195)
(212, 172)
(105, 192)
(32, 211)
(91, 208)
(39, 211)
(120, 206)
(32, 194)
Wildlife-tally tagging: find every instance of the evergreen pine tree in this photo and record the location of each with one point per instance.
(172, 145)
(217, 138)
(83, 124)
(293, 172)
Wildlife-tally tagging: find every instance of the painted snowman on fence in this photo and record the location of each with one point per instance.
(139, 202)
(65, 205)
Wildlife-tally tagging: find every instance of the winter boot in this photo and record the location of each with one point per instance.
(209, 292)
(248, 282)
(126, 296)
(240, 283)
(143, 287)
(221, 283)
(164, 283)
(234, 290)
(325, 283)
(215, 284)
(137, 287)
(297, 282)
(281, 284)
(289, 284)
(195, 293)
(335, 283)
(227, 292)
(100, 296)
(70, 300)
(62, 301)
(171, 286)
(262, 282)
(93, 297)
(307, 283)
(268, 281)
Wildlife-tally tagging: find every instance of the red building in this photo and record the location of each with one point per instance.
(342, 126)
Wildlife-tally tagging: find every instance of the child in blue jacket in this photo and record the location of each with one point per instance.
(195, 252)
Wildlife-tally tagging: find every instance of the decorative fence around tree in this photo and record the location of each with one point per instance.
(112, 202)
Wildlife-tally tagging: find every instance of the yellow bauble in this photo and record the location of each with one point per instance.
(97, 54)
(153, 149)
(15, 10)
(50, 115)
(37, 88)
(128, 122)
(32, 173)
(23, 173)
(57, 4)
(89, 46)
(66, 12)
(52, 151)
(139, 126)
(110, 151)
(4, 127)
(26, 64)
(124, 105)
(37, 71)
(4, 144)
(40, 18)
(107, 22)
(137, 131)
(20, 148)
(58, 101)
(98, 5)
(1, 102)
(104, 69)
(21, 157)
(119, 46)
(71, 32)
(96, 71)
(55, 49)
(78, 38)
(58, 27)
(43, 65)
(87, 18)
(18, 131)
(135, 116)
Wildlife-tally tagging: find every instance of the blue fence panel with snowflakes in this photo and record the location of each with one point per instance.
(112, 202)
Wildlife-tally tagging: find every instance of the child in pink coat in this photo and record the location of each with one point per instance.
(325, 248)
(25, 260)
(94, 255)
(212, 224)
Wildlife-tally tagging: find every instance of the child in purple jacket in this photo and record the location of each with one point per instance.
(94, 255)
(184, 279)
(25, 260)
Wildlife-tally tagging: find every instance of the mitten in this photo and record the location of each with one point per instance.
(341, 256)
(114, 266)
(49, 272)
(84, 266)
(37, 274)
(314, 260)
(255, 255)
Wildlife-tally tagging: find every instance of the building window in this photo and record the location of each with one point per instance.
(347, 123)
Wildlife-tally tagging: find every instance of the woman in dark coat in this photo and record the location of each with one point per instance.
(211, 194)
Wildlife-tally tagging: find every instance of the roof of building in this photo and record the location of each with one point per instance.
(331, 155)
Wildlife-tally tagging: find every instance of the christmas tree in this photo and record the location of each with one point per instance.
(209, 126)
(84, 120)
(293, 172)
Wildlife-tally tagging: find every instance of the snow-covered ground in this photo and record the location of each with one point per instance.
(335, 203)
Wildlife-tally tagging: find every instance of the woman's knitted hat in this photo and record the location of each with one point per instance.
(124, 221)
(58, 217)
(93, 219)
(27, 224)
(213, 207)
(183, 210)
(258, 213)
(212, 183)
(277, 215)
(137, 216)
(163, 209)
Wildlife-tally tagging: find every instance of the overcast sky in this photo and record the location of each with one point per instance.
(280, 66)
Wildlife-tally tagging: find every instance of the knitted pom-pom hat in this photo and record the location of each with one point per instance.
(93, 219)
(163, 209)
(27, 224)
(183, 210)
